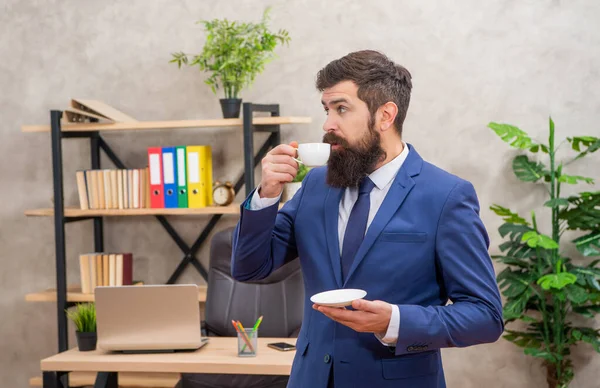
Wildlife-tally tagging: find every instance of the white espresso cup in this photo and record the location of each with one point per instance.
(314, 154)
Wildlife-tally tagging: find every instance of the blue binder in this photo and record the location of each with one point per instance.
(170, 176)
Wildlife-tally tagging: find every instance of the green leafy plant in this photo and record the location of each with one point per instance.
(84, 317)
(302, 170)
(543, 287)
(234, 53)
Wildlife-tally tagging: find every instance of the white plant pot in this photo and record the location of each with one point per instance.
(289, 189)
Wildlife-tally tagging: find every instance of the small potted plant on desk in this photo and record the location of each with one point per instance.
(84, 318)
(289, 189)
(234, 53)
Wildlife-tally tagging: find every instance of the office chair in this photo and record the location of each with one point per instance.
(279, 298)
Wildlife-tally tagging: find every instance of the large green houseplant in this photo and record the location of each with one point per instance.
(545, 289)
(234, 54)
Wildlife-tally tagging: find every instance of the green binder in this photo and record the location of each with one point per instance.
(182, 194)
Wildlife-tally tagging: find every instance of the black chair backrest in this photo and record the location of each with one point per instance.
(279, 298)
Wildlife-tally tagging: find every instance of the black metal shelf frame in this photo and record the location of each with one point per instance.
(97, 143)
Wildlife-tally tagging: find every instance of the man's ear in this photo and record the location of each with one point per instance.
(388, 112)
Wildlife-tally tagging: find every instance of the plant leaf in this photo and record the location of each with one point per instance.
(535, 352)
(514, 283)
(515, 308)
(588, 311)
(589, 245)
(523, 339)
(587, 276)
(557, 202)
(574, 179)
(526, 170)
(576, 294)
(514, 231)
(556, 280)
(84, 317)
(508, 216)
(589, 335)
(590, 143)
(526, 318)
(516, 249)
(302, 171)
(584, 213)
(509, 260)
(512, 135)
(534, 240)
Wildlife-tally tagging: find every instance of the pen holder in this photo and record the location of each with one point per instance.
(247, 343)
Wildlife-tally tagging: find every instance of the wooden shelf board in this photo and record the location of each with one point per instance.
(176, 124)
(74, 294)
(234, 208)
(155, 380)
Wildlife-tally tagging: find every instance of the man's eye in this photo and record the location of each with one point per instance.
(326, 111)
(341, 109)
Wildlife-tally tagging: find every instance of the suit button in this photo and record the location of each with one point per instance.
(327, 358)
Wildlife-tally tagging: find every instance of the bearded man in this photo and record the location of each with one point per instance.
(377, 217)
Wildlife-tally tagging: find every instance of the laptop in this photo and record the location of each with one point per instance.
(148, 318)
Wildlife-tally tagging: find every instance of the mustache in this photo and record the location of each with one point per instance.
(332, 138)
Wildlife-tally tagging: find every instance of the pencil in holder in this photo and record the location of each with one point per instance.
(247, 342)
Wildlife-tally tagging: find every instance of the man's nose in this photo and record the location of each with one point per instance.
(329, 125)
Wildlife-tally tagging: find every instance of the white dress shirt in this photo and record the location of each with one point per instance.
(382, 178)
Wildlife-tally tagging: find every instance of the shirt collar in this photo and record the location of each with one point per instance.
(384, 174)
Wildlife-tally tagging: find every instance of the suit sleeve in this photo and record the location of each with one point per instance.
(467, 274)
(264, 240)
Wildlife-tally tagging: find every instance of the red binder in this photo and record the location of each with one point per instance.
(157, 197)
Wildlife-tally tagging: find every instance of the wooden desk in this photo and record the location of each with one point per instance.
(218, 356)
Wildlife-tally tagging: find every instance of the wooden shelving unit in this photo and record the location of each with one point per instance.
(65, 296)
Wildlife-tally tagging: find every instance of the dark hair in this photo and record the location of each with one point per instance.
(379, 80)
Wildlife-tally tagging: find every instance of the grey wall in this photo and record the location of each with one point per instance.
(472, 63)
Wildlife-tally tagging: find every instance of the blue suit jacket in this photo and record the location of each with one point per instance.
(426, 246)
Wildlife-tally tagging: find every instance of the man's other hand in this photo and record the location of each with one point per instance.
(367, 316)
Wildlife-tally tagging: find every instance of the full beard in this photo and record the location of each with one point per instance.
(348, 166)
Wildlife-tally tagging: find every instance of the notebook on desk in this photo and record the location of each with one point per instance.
(148, 318)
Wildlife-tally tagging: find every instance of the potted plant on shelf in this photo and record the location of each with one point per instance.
(549, 292)
(234, 53)
(289, 189)
(84, 318)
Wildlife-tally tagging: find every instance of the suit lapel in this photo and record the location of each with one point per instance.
(401, 186)
(332, 211)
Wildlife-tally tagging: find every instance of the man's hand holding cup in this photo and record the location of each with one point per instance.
(278, 167)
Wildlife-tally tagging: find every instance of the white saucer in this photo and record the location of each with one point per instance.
(338, 298)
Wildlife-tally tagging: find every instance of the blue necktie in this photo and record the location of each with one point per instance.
(357, 224)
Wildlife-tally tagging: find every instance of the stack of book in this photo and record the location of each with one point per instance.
(181, 176)
(105, 269)
(113, 189)
(86, 110)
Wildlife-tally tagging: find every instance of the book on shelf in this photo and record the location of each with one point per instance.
(98, 109)
(105, 269)
(87, 110)
(180, 176)
(113, 189)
